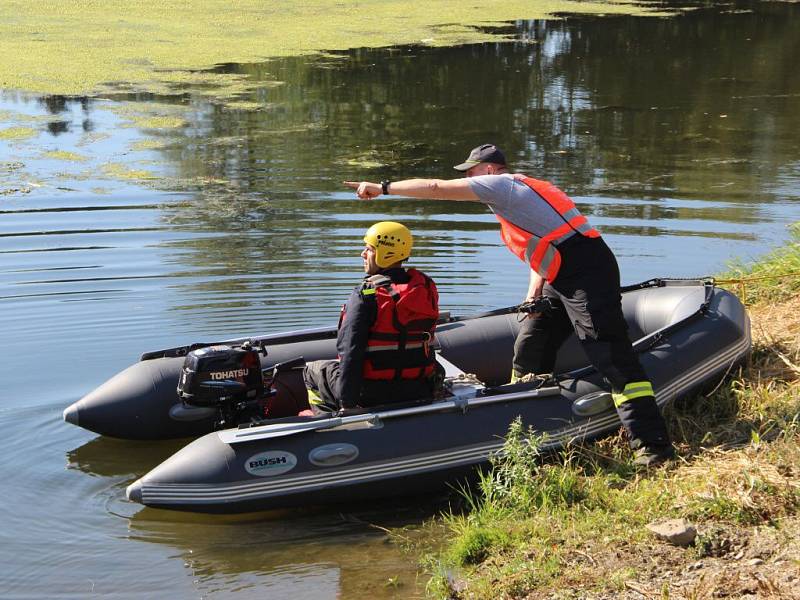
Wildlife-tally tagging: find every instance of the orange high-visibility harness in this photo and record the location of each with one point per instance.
(541, 253)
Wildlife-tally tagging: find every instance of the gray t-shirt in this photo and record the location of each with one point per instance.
(514, 201)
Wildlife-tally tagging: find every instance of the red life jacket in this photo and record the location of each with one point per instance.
(398, 346)
(541, 253)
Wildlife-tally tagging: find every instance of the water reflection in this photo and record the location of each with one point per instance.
(611, 109)
(142, 222)
(109, 457)
(623, 104)
(673, 139)
(677, 143)
(343, 553)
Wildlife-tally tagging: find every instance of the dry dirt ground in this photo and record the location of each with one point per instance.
(738, 562)
(728, 561)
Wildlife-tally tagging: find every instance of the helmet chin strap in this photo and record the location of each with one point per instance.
(397, 265)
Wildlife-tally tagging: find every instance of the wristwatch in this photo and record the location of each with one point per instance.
(385, 186)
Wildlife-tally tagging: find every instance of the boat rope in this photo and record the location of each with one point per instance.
(665, 281)
(330, 332)
(742, 281)
(651, 340)
(463, 378)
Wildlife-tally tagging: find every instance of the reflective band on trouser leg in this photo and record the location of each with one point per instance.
(313, 398)
(635, 389)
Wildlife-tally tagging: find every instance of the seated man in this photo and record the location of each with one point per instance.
(385, 331)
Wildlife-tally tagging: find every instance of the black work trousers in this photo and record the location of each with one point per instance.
(587, 300)
(323, 376)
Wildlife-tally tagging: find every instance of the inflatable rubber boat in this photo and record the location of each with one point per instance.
(688, 335)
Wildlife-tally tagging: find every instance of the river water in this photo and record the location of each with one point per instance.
(130, 223)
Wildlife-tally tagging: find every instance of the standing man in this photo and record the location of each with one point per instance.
(385, 331)
(572, 265)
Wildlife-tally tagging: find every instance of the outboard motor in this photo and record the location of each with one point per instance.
(227, 378)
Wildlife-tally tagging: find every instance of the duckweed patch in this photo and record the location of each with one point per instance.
(158, 122)
(372, 159)
(13, 191)
(18, 118)
(144, 145)
(139, 112)
(121, 171)
(91, 142)
(92, 138)
(18, 133)
(64, 155)
(93, 47)
(10, 167)
(365, 163)
(245, 105)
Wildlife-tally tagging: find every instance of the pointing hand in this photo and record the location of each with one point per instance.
(365, 190)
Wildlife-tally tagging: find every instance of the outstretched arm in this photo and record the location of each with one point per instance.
(427, 189)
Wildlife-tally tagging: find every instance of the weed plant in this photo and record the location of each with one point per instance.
(536, 520)
(775, 277)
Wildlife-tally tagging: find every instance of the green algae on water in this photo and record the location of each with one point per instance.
(9, 167)
(122, 172)
(18, 118)
(18, 133)
(158, 122)
(65, 155)
(244, 105)
(144, 145)
(87, 139)
(101, 46)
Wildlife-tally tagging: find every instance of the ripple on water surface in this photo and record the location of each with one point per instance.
(140, 223)
(68, 530)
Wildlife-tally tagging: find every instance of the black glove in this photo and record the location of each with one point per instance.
(540, 304)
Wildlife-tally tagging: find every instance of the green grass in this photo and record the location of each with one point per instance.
(534, 521)
(775, 277)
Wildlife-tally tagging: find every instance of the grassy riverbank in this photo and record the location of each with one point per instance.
(574, 525)
(91, 47)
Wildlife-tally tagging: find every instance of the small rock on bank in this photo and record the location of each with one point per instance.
(678, 532)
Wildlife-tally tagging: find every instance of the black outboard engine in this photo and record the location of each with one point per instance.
(227, 378)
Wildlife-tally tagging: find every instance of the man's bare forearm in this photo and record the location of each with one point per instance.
(426, 189)
(535, 285)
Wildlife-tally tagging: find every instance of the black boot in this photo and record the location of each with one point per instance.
(652, 456)
(647, 431)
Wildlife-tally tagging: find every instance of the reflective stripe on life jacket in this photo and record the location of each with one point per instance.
(398, 346)
(541, 253)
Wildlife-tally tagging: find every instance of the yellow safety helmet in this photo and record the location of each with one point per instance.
(392, 242)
